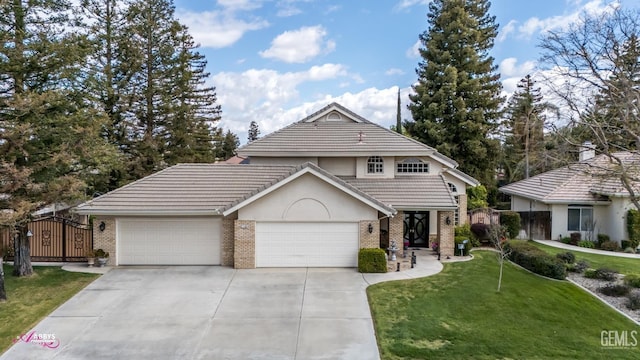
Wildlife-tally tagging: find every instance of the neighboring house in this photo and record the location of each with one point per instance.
(586, 197)
(314, 193)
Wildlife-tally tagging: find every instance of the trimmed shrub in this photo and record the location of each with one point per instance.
(463, 230)
(565, 240)
(567, 257)
(581, 266)
(467, 246)
(633, 301)
(575, 238)
(511, 221)
(610, 246)
(616, 290)
(633, 227)
(590, 274)
(625, 244)
(606, 274)
(535, 260)
(587, 244)
(372, 261)
(602, 238)
(632, 280)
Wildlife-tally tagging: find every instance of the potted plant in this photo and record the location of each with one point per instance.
(91, 257)
(102, 256)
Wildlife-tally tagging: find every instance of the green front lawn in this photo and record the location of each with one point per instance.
(31, 299)
(458, 314)
(620, 264)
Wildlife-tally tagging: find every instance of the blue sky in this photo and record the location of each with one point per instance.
(276, 61)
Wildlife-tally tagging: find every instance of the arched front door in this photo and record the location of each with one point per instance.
(416, 228)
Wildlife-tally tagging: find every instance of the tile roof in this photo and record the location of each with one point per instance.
(408, 192)
(583, 182)
(340, 138)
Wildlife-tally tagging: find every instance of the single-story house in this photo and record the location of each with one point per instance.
(313, 194)
(586, 197)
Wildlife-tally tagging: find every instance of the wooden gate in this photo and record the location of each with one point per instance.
(56, 239)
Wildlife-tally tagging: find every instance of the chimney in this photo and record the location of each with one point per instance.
(587, 151)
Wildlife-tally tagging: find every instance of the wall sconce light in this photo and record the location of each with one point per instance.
(370, 228)
(102, 226)
(447, 220)
(244, 226)
(29, 233)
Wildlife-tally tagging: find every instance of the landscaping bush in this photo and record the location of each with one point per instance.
(610, 246)
(535, 260)
(602, 238)
(372, 261)
(590, 274)
(606, 274)
(630, 250)
(511, 221)
(481, 231)
(625, 244)
(616, 290)
(567, 257)
(575, 238)
(633, 227)
(465, 230)
(581, 266)
(467, 247)
(633, 301)
(565, 240)
(632, 280)
(587, 244)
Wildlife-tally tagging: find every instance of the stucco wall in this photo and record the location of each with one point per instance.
(389, 166)
(338, 166)
(522, 204)
(307, 199)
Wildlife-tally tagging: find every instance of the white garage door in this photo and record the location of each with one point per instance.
(169, 241)
(294, 244)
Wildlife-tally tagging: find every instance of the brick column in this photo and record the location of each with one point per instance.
(369, 240)
(462, 209)
(396, 232)
(105, 240)
(244, 250)
(446, 233)
(226, 248)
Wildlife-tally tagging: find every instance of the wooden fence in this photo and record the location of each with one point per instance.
(55, 239)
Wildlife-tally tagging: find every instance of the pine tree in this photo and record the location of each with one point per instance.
(457, 100)
(524, 148)
(254, 132)
(398, 128)
(50, 141)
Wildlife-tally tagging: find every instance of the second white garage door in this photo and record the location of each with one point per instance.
(297, 244)
(169, 241)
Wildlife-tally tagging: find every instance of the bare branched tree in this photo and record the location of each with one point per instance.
(498, 235)
(593, 68)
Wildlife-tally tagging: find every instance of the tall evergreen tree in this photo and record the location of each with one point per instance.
(254, 132)
(524, 146)
(226, 144)
(456, 105)
(50, 140)
(398, 115)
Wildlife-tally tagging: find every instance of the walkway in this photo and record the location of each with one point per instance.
(558, 244)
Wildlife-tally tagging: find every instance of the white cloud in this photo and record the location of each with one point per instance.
(394, 71)
(414, 51)
(403, 4)
(234, 5)
(299, 46)
(592, 8)
(216, 29)
(511, 73)
(506, 30)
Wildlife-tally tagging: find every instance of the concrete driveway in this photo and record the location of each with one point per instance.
(211, 313)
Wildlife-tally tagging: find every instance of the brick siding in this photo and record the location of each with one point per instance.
(244, 251)
(227, 244)
(106, 240)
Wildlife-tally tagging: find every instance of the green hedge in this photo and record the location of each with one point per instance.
(535, 260)
(511, 221)
(633, 227)
(467, 247)
(372, 261)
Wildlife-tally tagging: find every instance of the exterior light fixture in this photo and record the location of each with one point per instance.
(370, 228)
(29, 233)
(447, 220)
(102, 226)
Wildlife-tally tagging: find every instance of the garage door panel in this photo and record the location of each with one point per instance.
(169, 241)
(307, 244)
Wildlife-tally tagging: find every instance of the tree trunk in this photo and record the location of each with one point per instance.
(500, 277)
(3, 293)
(22, 258)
